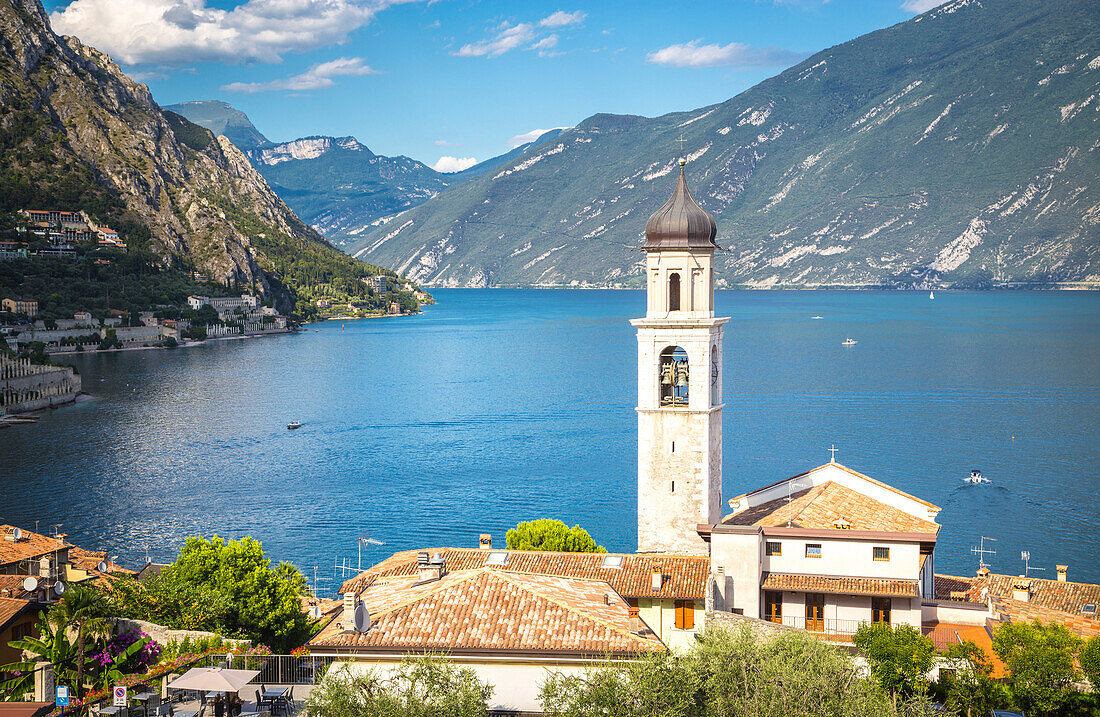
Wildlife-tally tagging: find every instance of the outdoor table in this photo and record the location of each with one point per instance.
(143, 698)
(274, 696)
(186, 713)
(112, 710)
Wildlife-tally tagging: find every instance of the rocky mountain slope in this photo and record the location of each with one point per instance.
(336, 184)
(76, 133)
(959, 148)
(224, 119)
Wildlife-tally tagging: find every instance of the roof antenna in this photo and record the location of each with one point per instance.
(982, 552)
(1025, 555)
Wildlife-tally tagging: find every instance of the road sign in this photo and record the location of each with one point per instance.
(62, 696)
(120, 696)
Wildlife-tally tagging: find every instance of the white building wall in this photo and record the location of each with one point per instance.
(740, 557)
(660, 615)
(845, 557)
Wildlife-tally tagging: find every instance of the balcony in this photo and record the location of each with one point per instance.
(941, 635)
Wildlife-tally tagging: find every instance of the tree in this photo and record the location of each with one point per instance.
(552, 535)
(726, 673)
(83, 610)
(967, 685)
(53, 646)
(899, 656)
(1090, 661)
(426, 686)
(293, 576)
(263, 606)
(1039, 658)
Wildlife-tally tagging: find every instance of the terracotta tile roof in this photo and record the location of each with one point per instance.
(11, 608)
(840, 585)
(1048, 601)
(821, 506)
(685, 575)
(31, 545)
(493, 609)
(89, 560)
(11, 586)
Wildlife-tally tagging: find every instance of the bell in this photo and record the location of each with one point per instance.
(667, 374)
(681, 375)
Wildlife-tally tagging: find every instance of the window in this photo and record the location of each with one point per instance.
(673, 377)
(773, 606)
(774, 548)
(880, 610)
(715, 377)
(496, 558)
(615, 562)
(738, 611)
(882, 553)
(685, 614)
(813, 550)
(673, 292)
(815, 612)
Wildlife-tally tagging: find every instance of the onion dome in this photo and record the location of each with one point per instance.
(680, 223)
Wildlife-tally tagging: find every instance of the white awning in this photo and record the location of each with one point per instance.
(213, 679)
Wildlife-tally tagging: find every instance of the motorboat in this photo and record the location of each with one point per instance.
(294, 424)
(976, 478)
(849, 342)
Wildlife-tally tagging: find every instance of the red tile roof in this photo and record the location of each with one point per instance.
(839, 585)
(11, 586)
(685, 575)
(31, 545)
(821, 506)
(10, 608)
(493, 609)
(1048, 600)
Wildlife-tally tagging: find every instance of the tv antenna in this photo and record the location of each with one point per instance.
(1025, 555)
(369, 541)
(981, 552)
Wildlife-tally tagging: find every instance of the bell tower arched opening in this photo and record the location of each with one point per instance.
(674, 292)
(673, 370)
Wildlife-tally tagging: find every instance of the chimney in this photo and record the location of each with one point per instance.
(351, 600)
(1062, 572)
(1021, 589)
(429, 569)
(983, 571)
(658, 578)
(634, 623)
(485, 541)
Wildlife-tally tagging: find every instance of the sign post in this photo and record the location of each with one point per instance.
(119, 696)
(62, 698)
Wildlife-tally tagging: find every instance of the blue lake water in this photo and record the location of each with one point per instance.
(497, 406)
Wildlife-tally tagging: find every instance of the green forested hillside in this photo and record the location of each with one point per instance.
(959, 148)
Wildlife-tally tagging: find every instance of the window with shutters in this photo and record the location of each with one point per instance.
(685, 614)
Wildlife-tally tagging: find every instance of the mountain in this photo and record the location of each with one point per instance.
(959, 148)
(224, 119)
(339, 186)
(77, 134)
(336, 184)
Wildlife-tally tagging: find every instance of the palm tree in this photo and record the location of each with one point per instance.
(82, 610)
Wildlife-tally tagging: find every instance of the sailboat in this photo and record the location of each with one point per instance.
(931, 294)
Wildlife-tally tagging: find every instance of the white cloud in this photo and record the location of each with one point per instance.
(445, 143)
(735, 54)
(453, 164)
(545, 43)
(317, 77)
(919, 6)
(508, 37)
(562, 18)
(174, 32)
(531, 136)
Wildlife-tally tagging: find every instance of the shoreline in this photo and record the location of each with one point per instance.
(187, 344)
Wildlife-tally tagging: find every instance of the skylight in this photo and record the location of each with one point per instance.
(496, 558)
(1089, 608)
(614, 562)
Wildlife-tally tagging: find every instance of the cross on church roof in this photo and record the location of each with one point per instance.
(681, 141)
(832, 453)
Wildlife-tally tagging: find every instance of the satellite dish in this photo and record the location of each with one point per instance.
(30, 584)
(59, 587)
(102, 567)
(17, 533)
(362, 618)
(315, 612)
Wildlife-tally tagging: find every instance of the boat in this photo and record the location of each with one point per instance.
(294, 424)
(849, 342)
(931, 294)
(976, 478)
(817, 317)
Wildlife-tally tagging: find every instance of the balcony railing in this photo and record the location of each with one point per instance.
(827, 626)
(279, 669)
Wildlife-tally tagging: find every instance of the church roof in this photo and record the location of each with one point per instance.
(680, 223)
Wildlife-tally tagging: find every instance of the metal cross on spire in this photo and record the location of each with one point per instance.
(681, 141)
(832, 453)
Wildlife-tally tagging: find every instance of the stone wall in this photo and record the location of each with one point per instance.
(163, 635)
(29, 387)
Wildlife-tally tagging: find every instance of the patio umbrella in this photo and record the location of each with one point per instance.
(213, 679)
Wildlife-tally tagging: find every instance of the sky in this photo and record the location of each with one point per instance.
(451, 82)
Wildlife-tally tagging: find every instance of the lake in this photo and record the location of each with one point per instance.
(497, 406)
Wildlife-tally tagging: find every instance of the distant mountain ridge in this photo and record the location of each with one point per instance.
(336, 184)
(959, 148)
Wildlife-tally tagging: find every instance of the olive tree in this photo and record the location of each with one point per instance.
(1040, 661)
(899, 656)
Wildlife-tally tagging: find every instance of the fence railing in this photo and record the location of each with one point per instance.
(825, 626)
(277, 669)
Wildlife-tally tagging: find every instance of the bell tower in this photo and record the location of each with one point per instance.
(679, 380)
